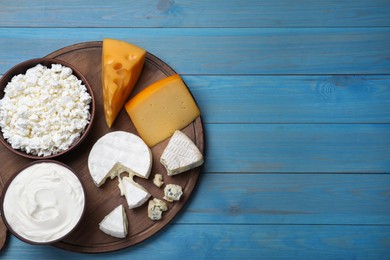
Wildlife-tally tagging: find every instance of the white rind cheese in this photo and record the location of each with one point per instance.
(181, 154)
(115, 223)
(118, 152)
(135, 194)
(156, 208)
(172, 192)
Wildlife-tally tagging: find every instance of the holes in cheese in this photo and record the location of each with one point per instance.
(161, 108)
(117, 66)
(119, 74)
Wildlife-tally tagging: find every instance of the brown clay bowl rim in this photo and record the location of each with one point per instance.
(8, 183)
(22, 68)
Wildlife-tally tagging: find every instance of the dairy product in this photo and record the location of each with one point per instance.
(172, 192)
(44, 202)
(161, 108)
(135, 194)
(115, 223)
(181, 154)
(122, 64)
(117, 152)
(122, 152)
(158, 180)
(45, 110)
(156, 208)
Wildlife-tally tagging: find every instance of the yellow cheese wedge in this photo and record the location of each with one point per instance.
(161, 108)
(122, 64)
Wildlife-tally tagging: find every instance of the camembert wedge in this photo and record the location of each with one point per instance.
(135, 194)
(115, 223)
(161, 108)
(122, 65)
(181, 154)
(118, 152)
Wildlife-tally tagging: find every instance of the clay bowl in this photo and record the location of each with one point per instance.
(35, 202)
(21, 68)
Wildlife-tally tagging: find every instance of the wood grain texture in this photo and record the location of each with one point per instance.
(239, 241)
(3, 234)
(300, 148)
(226, 51)
(295, 97)
(289, 199)
(187, 13)
(292, 99)
(3, 228)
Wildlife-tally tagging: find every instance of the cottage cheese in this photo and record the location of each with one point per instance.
(44, 111)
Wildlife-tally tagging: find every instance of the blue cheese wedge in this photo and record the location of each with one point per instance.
(156, 208)
(118, 152)
(115, 223)
(180, 155)
(135, 194)
(172, 192)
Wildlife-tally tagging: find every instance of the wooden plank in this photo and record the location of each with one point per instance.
(326, 199)
(245, 51)
(298, 148)
(202, 13)
(239, 241)
(292, 99)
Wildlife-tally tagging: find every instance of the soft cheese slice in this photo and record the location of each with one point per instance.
(135, 194)
(118, 152)
(115, 223)
(181, 154)
(122, 64)
(161, 108)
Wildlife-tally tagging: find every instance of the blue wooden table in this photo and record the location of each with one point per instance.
(295, 97)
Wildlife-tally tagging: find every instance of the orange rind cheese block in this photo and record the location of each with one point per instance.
(122, 64)
(161, 108)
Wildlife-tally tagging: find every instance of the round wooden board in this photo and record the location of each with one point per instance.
(87, 237)
(3, 228)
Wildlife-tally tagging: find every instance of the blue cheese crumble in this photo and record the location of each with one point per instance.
(172, 192)
(44, 111)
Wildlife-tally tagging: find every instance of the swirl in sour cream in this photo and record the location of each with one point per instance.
(44, 202)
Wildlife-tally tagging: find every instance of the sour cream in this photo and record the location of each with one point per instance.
(44, 202)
